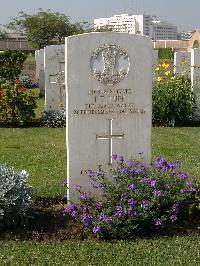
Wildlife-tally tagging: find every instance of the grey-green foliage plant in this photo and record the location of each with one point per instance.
(173, 101)
(15, 197)
(52, 118)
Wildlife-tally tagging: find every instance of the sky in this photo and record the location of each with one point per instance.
(184, 14)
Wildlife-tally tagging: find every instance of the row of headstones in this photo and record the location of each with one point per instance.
(50, 72)
(188, 64)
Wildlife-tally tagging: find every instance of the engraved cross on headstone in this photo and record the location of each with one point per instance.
(110, 137)
(59, 79)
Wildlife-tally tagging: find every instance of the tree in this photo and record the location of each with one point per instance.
(45, 27)
(3, 34)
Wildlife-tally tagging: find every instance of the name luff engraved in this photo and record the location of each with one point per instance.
(109, 101)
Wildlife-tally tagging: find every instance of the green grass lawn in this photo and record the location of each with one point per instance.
(42, 152)
(145, 252)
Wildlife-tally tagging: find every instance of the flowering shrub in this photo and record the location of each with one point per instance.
(173, 99)
(15, 197)
(16, 104)
(139, 197)
(53, 118)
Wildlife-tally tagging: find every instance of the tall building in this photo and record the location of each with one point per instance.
(136, 24)
(139, 24)
(162, 30)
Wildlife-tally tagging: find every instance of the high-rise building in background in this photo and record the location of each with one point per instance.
(163, 30)
(136, 24)
(139, 24)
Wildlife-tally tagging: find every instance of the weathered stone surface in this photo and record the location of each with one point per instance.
(109, 103)
(54, 77)
(195, 78)
(182, 63)
(40, 74)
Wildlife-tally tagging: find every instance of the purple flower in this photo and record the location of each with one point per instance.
(70, 209)
(96, 229)
(175, 208)
(98, 206)
(125, 171)
(87, 219)
(157, 222)
(146, 180)
(174, 172)
(136, 171)
(158, 193)
(153, 183)
(131, 213)
(90, 173)
(168, 186)
(192, 189)
(84, 195)
(121, 158)
(118, 211)
(173, 218)
(85, 209)
(99, 173)
(77, 187)
(65, 184)
(105, 218)
(131, 202)
(182, 191)
(149, 181)
(74, 213)
(183, 175)
(114, 157)
(130, 164)
(143, 166)
(132, 186)
(146, 203)
(188, 183)
(101, 185)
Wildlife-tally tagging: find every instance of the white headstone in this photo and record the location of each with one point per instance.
(195, 78)
(155, 61)
(40, 74)
(54, 77)
(182, 63)
(109, 104)
(155, 58)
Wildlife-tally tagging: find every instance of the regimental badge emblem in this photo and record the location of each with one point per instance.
(109, 64)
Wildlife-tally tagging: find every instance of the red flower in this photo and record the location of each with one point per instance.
(21, 89)
(1, 94)
(17, 82)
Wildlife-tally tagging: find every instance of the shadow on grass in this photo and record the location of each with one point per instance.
(48, 223)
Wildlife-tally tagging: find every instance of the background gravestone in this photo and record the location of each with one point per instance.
(54, 64)
(155, 61)
(40, 74)
(109, 104)
(182, 63)
(155, 58)
(195, 78)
